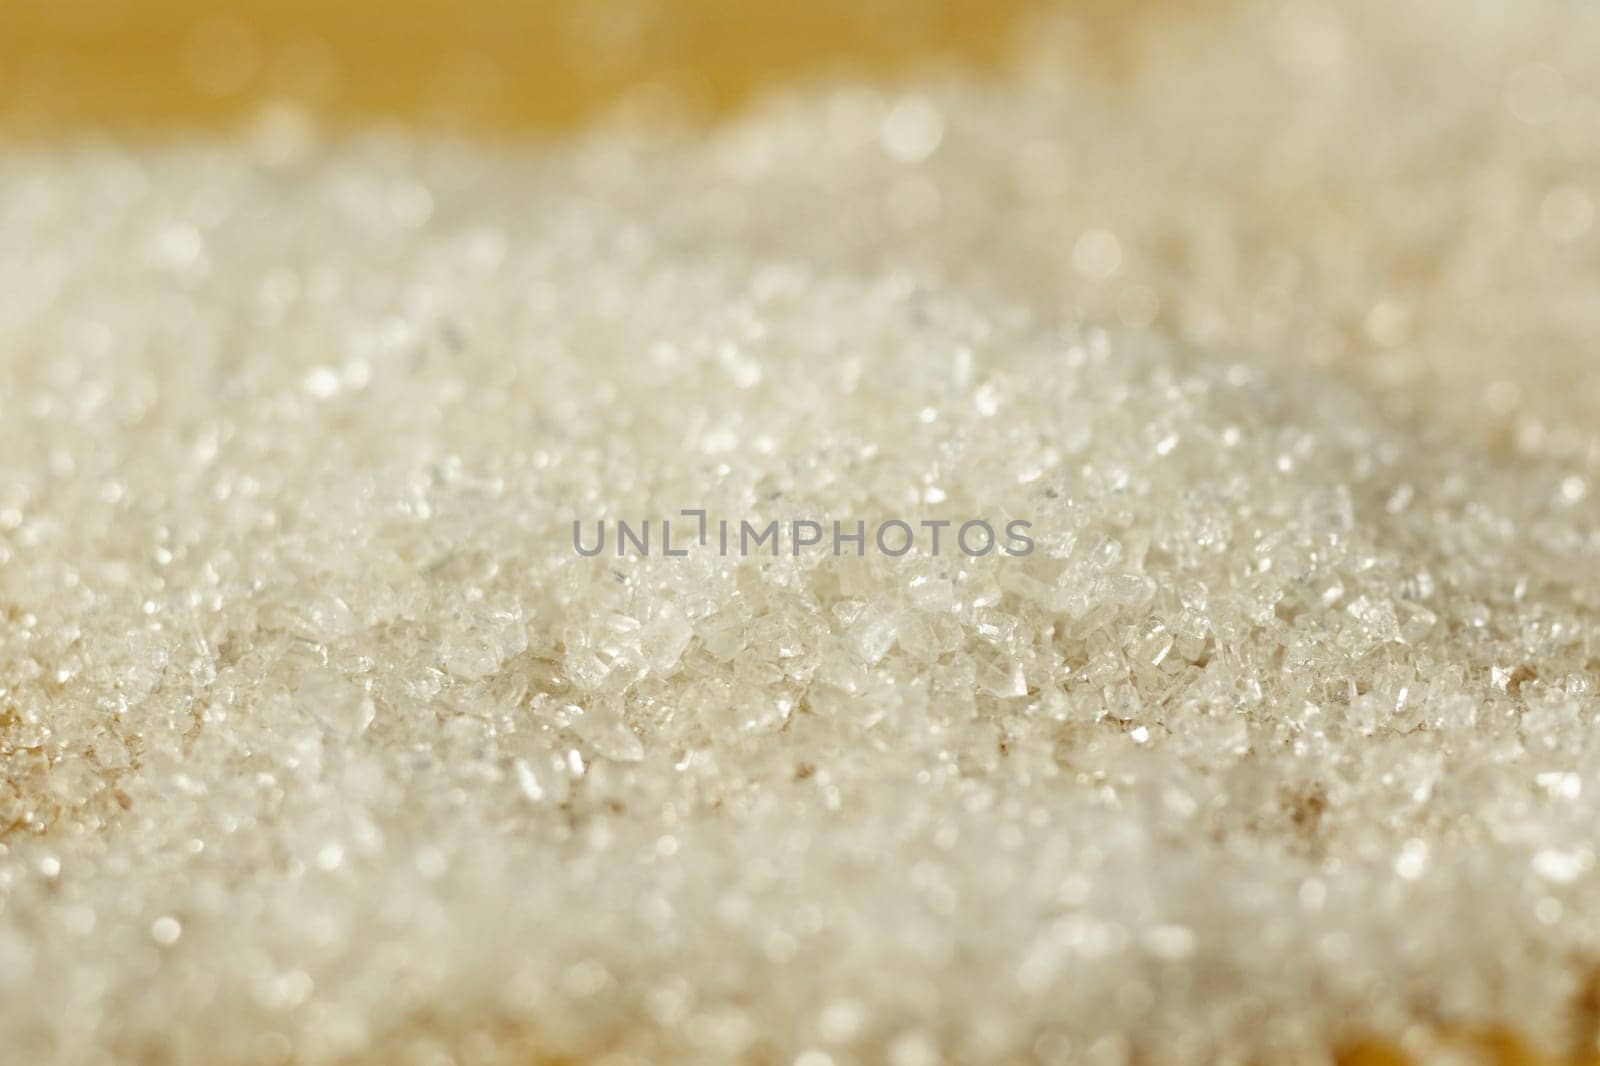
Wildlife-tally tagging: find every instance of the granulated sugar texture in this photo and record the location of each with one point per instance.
(321, 742)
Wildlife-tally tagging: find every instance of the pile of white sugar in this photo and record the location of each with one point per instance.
(319, 742)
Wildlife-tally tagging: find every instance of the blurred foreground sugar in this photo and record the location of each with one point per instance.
(321, 742)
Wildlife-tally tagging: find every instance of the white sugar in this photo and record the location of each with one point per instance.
(321, 741)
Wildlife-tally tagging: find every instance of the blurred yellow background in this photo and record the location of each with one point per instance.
(501, 66)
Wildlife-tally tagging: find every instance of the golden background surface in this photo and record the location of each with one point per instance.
(476, 66)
